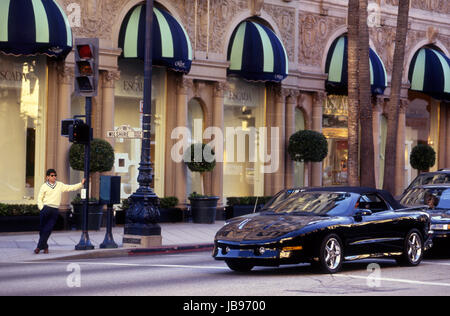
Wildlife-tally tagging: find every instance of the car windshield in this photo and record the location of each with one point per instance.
(315, 203)
(281, 196)
(418, 196)
(431, 178)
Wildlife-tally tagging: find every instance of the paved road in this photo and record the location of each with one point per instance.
(198, 274)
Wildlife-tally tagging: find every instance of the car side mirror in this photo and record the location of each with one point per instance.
(359, 213)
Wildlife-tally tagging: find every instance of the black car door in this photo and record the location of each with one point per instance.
(374, 227)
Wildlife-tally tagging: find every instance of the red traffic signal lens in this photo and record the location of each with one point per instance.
(85, 51)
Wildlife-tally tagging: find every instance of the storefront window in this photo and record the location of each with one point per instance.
(23, 82)
(128, 113)
(196, 127)
(335, 129)
(419, 130)
(243, 115)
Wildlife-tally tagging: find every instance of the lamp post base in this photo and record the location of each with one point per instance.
(136, 241)
(85, 243)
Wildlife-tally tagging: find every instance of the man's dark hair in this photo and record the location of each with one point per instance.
(50, 171)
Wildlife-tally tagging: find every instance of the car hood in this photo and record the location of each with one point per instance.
(265, 227)
(440, 216)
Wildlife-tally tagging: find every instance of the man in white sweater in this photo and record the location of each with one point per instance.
(49, 200)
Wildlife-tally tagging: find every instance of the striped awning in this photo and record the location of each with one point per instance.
(171, 45)
(429, 73)
(257, 54)
(337, 69)
(33, 27)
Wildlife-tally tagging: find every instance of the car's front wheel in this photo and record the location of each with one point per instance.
(239, 266)
(413, 249)
(331, 254)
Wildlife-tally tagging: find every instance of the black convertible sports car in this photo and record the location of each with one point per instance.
(324, 226)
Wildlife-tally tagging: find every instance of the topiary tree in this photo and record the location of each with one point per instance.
(422, 157)
(308, 146)
(102, 156)
(200, 158)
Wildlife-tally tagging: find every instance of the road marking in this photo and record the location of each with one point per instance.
(393, 280)
(436, 263)
(179, 266)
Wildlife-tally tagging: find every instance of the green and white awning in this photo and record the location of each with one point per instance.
(256, 53)
(171, 45)
(337, 69)
(429, 73)
(33, 27)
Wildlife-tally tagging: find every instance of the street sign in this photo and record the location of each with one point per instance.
(125, 131)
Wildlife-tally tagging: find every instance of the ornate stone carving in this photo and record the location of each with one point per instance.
(66, 74)
(94, 18)
(319, 98)
(184, 85)
(440, 6)
(285, 19)
(384, 41)
(222, 12)
(255, 6)
(110, 78)
(220, 88)
(432, 34)
(314, 34)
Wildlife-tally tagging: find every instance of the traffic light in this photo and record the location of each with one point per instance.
(86, 66)
(79, 132)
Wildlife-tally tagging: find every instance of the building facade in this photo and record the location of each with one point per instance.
(214, 91)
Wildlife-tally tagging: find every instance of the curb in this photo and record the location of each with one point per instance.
(126, 252)
(171, 250)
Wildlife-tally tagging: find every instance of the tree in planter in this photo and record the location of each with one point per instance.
(101, 160)
(201, 158)
(422, 157)
(308, 146)
(102, 156)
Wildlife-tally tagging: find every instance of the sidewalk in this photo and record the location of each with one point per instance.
(18, 247)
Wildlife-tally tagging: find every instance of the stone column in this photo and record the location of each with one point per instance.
(218, 122)
(65, 80)
(180, 175)
(441, 159)
(401, 137)
(317, 118)
(291, 104)
(280, 123)
(447, 135)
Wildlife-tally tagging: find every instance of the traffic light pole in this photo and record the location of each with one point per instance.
(85, 243)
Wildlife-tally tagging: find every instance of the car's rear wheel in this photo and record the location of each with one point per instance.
(239, 266)
(331, 254)
(413, 249)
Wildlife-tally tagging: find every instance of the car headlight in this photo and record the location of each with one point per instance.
(440, 226)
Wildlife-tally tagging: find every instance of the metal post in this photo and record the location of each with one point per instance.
(85, 243)
(109, 242)
(143, 214)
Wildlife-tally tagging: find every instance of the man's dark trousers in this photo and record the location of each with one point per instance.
(48, 217)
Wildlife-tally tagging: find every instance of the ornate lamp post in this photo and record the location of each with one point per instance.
(143, 214)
